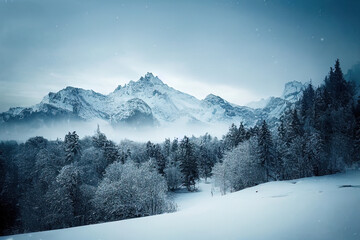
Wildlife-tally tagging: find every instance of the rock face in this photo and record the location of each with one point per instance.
(134, 112)
(293, 91)
(147, 102)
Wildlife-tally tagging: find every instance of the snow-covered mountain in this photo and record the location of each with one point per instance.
(147, 101)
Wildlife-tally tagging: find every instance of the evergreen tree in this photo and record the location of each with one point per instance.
(72, 147)
(308, 107)
(111, 152)
(160, 159)
(154, 152)
(69, 182)
(340, 91)
(266, 151)
(167, 148)
(109, 148)
(188, 163)
(340, 112)
(242, 133)
(357, 132)
(295, 127)
(174, 145)
(232, 138)
(313, 160)
(281, 147)
(206, 156)
(99, 139)
(150, 149)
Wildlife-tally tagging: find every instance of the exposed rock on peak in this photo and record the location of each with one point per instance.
(293, 91)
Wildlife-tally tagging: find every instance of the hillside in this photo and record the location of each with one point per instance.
(310, 208)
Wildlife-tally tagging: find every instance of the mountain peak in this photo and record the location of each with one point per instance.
(215, 100)
(149, 77)
(212, 96)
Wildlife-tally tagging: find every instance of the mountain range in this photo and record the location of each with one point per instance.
(148, 102)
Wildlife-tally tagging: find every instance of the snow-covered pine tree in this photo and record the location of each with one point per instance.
(266, 151)
(72, 147)
(174, 145)
(281, 146)
(159, 158)
(150, 149)
(242, 133)
(111, 152)
(232, 139)
(99, 139)
(312, 158)
(307, 107)
(340, 111)
(205, 162)
(68, 181)
(166, 148)
(188, 163)
(154, 152)
(295, 126)
(357, 132)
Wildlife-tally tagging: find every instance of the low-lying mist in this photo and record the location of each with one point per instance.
(22, 132)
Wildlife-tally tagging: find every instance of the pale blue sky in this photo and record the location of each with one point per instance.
(240, 50)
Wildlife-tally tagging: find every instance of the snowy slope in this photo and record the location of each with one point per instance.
(259, 103)
(310, 208)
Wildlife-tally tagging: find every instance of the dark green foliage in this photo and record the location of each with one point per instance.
(266, 151)
(188, 163)
(357, 132)
(207, 155)
(72, 147)
(9, 192)
(109, 148)
(154, 152)
(319, 135)
(167, 148)
(111, 152)
(234, 136)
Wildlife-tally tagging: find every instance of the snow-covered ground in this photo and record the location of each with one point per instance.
(325, 207)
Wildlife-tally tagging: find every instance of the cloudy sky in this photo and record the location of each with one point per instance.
(240, 50)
